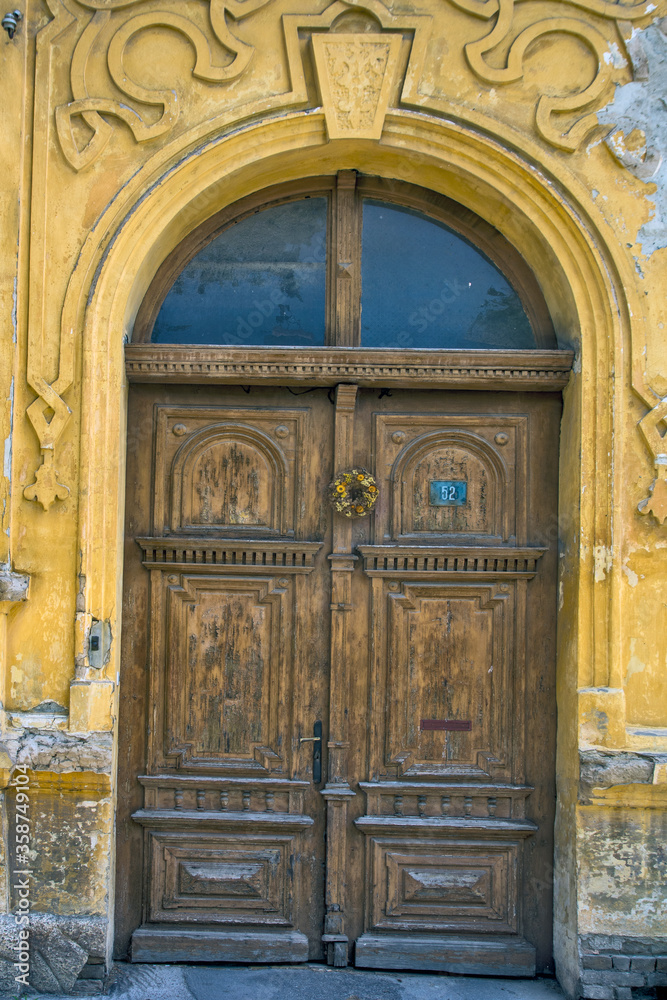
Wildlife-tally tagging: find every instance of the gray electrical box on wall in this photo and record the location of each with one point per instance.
(99, 644)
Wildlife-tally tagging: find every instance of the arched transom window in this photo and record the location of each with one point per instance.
(346, 261)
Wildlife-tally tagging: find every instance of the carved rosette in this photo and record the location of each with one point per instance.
(355, 74)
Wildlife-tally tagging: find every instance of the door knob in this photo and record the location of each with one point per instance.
(316, 740)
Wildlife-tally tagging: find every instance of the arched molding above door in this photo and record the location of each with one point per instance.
(587, 282)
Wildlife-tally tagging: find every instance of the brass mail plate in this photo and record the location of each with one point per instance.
(448, 492)
(450, 725)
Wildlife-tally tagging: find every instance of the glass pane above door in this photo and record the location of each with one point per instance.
(424, 286)
(260, 283)
(344, 264)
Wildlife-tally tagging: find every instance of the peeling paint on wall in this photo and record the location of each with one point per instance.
(600, 769)
(7, 462)
(633, 579)
(634, 665)
(624, 872)
(602, 555)
(638, 113)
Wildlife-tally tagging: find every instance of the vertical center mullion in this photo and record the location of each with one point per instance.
(345, 273)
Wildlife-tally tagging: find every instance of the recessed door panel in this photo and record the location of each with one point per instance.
(449, 651)
(458, 803)
(221, 878)
(444, 885)
(224, 670)
(229, 470)
(228, 478)
(451, 478)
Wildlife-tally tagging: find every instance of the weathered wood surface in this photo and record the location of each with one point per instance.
(460, 607)
(228, 670)
(345, 256)
(513, 371)
(458, 956)
(245, 821)
(337, 791)
(254, 947)
(422, 637)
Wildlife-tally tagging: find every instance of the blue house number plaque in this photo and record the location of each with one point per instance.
(448, 492)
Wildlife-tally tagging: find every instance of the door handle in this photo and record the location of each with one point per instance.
(316, 740)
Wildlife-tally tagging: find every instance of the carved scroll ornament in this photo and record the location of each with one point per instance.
(501, 14)
(91, 109)
(355, 72)
(656, 502)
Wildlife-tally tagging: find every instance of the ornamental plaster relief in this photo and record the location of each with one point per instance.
(656, 502)
(587, 25)
(236, 57)
(356, 59)
(107, 36)
(355, 76)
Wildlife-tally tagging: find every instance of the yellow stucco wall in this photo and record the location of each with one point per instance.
(125, 124)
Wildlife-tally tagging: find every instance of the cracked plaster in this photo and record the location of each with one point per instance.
(57, 751)
(638, 114)
(606, 769)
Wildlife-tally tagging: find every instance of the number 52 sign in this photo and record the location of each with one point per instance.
(448, 492)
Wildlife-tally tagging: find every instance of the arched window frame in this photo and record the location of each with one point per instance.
(345, 193)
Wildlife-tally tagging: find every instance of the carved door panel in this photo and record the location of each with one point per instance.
(223, 838)
(454, 724)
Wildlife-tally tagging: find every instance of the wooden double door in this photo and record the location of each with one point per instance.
(337, 733)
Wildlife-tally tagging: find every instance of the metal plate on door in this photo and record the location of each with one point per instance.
(448, 492)
(448, 725)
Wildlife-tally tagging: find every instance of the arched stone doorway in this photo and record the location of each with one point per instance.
(481, 176)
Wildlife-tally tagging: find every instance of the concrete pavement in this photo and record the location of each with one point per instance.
(296, 982)
(312, 982)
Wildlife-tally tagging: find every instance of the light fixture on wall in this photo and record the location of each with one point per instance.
(11, 20)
